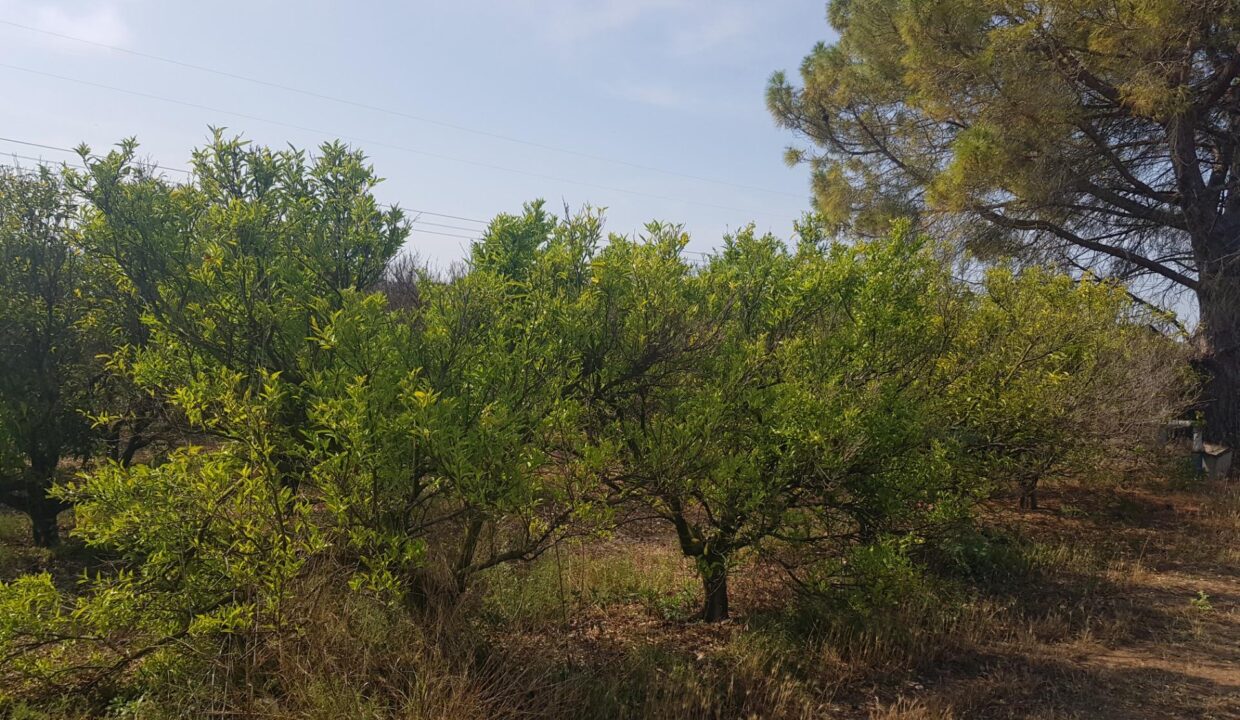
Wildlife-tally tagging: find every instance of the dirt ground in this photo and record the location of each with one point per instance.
(1139, 618)
(1156, 633)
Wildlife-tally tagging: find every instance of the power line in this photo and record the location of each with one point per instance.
(414, 220)
(75, 152)
(396, 113)
(371, 142)
(24, 170)
(190, 172)
(445, 215)
(441, 225)
(413, 223)
(413, 227)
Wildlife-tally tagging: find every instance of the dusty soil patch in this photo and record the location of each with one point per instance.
(1138, 617)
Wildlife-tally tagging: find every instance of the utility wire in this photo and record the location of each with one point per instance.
(416, 213)
(396, 113)
(371, 142)
(413, 223)
(440, 225)
(415, 220)
(190, 172)
(450, 217)
(415, 228)
(75, 152)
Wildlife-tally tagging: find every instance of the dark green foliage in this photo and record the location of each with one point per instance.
(51, 331)
(1089, 134)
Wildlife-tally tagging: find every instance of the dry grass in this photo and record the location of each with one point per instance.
(1127, 606)
(1121, 629)
(1113, 601)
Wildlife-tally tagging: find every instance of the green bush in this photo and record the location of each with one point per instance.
(837, 409)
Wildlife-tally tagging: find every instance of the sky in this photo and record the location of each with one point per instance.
(653, 109)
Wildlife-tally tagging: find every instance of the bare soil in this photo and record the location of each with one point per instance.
(1136, 616)
(1139, 620)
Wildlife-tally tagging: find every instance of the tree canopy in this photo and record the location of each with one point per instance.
(1094, 134)
(345, 424)
(51, 332)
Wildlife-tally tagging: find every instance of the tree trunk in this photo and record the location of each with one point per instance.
(43, 514)
(715, 583)
(1218, 298)
(460, 572)
(42, 509)
(136, 442)
(1029, 494)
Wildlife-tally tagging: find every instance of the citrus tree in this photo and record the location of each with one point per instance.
(1050, 373)
(51, 332)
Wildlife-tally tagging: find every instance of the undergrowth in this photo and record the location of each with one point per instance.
(607, 632)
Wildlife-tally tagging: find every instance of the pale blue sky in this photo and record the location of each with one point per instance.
(675, 85)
